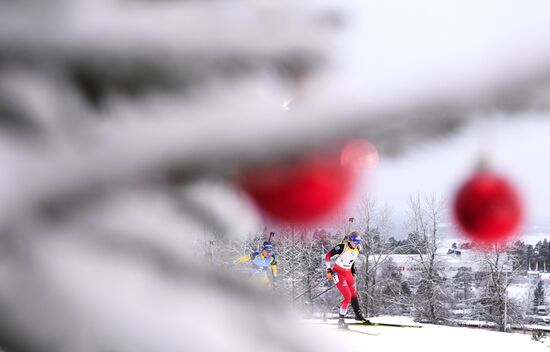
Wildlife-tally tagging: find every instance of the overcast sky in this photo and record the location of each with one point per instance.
(519, 149)
(429, 46)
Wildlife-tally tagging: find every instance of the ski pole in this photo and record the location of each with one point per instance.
(325, 291)
(308, 290)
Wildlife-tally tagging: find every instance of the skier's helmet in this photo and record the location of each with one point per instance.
(355, 238)
(267, 246)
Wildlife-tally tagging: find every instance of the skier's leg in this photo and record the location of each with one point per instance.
(261, 281)
(357, 310)
(344, 290)
(354, 300)
(264, 280)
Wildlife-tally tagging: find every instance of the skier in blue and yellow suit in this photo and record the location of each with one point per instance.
(260, 262)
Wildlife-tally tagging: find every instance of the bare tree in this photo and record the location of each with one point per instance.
(498, 269)
(431, 296)
(374, 223)
(396, 293)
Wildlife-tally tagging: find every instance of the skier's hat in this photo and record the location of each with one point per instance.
(355, 237)
(267, 246)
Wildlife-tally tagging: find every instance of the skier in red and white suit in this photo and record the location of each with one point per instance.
(344, 269)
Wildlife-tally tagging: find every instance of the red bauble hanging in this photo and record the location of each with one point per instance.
(302, 190)
(488, 208)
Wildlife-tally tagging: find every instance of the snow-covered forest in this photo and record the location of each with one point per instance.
(423, 275)
(135, 137)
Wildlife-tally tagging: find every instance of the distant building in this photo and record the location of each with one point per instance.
(454, 260)
(454, 251)
(542, 310)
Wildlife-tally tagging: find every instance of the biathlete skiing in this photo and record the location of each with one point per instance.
(261, 261)
(344, 271)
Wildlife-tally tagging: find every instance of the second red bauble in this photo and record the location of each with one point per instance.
(487, 208)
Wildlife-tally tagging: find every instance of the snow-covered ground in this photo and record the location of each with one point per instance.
(428, 338)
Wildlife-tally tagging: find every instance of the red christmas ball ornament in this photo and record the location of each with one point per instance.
(488, 208)
(359, 154)
(300, 191)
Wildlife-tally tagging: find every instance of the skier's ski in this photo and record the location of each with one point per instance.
(385, 324)
(357, 323)
(360, 332)
(346, 328)
(379, 324)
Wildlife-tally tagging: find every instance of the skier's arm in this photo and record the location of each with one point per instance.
(353, 269)
(243, 259)
(327, 259)
(333, 252)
